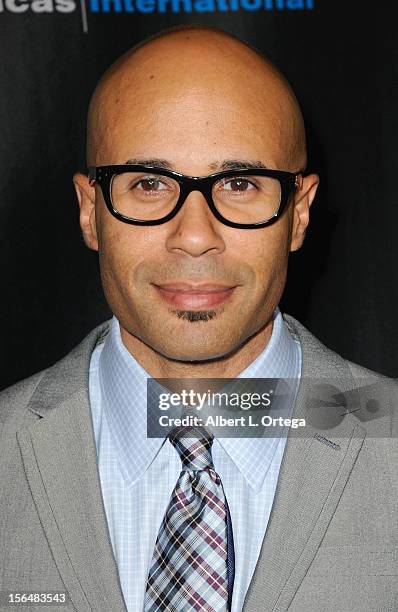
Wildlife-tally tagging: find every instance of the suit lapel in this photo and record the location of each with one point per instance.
(60, 461)
(311, 480)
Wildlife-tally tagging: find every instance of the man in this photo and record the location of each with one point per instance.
(96, 512)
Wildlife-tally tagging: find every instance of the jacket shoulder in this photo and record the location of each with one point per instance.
(359, 371)
(377, 393)
(57, 378)
(15, 398)
(326, 358)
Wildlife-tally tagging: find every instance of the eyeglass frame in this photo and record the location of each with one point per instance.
(103, 175)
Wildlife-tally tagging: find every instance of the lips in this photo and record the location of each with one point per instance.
(187, 295)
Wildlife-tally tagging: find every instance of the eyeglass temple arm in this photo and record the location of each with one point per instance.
(298, 181)
(92, 174)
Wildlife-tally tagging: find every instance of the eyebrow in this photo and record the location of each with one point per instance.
(238, 164)
(159, 163)
(226, 164)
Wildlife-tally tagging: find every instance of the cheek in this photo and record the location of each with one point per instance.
(122, 247)
(119, 252)
(266, 251)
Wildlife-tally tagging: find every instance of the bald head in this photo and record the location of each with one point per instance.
(187, 74)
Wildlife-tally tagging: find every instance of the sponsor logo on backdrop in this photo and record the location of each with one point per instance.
(195, 6)
(37, 6)
(149, 6)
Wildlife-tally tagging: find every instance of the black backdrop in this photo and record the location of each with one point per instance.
(340, 57)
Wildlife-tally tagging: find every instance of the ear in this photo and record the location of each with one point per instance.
(86, 197)
(303, 199)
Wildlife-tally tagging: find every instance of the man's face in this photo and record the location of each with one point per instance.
(192, 288)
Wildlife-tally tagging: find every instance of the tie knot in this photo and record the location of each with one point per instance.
(193, 444)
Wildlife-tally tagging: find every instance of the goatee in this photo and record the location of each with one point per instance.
(195, 315)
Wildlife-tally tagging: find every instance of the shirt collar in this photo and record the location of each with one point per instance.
(281, 358)
(123, 385)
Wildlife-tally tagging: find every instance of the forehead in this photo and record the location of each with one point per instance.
(192, 125)
(220, 107)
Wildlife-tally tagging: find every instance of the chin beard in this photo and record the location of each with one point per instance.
(195, 315)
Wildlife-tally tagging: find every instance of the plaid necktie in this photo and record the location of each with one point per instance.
(191, 566)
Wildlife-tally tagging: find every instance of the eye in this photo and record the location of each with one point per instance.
(150, 183)
(238, 183)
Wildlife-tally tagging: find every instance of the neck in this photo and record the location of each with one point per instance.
(229, 366)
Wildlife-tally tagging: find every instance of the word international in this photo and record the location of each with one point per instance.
(196, 6)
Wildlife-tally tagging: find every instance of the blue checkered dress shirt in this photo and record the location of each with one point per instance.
(138, 474)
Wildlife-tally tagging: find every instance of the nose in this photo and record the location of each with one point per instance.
(195, 230)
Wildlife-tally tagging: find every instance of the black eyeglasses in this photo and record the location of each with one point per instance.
(244, 198)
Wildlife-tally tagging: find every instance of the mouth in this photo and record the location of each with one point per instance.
(191, 296)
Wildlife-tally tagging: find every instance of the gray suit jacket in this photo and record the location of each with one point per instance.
(332, 538)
